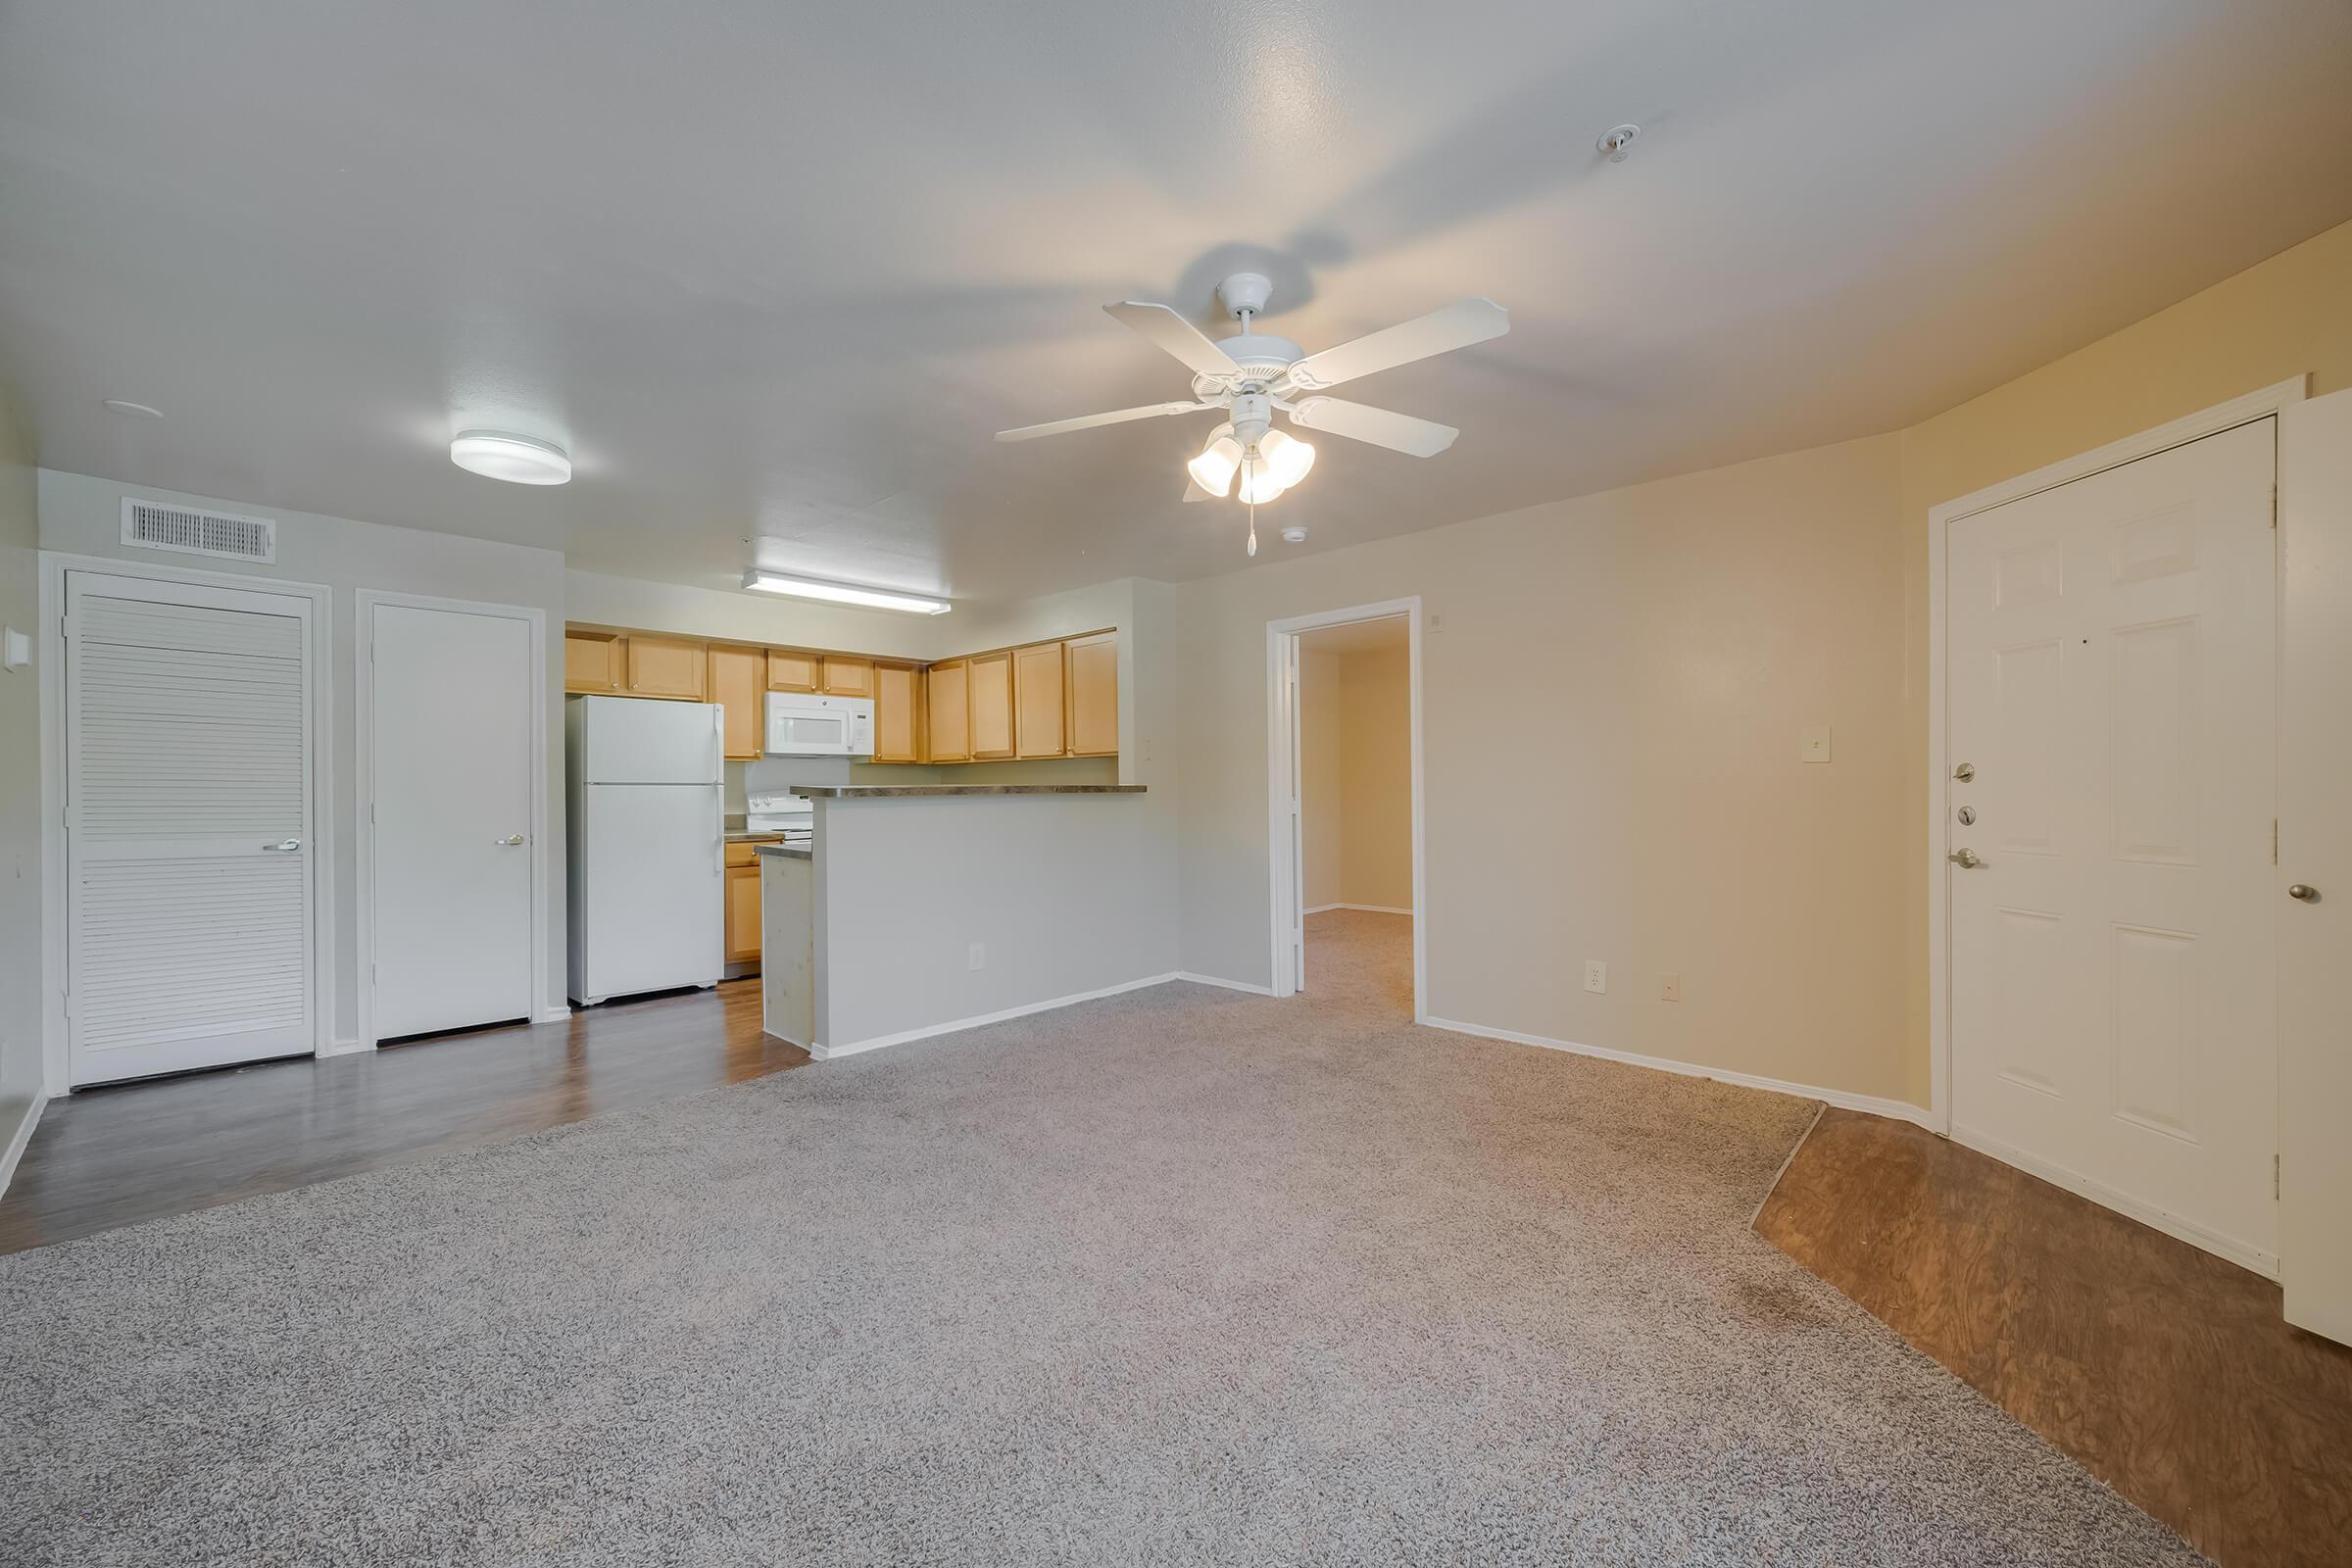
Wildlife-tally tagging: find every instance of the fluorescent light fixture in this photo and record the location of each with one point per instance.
(771, 582)
(515, 459)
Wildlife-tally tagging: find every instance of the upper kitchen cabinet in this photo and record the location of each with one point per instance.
(947, 703)
(665, 667)
(1092, 677)
(991, 686)
(1040, 711)
(847, 676)
(790, 671)
(738, 684)
(592, 660)
(898, 713)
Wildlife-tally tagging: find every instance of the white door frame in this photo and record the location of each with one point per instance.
(364, 684)
(1282, 723)
(55, 1070)
(2196, 426)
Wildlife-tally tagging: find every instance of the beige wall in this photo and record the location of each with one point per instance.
(1357, 746)
(20, 789)
(1610, 757)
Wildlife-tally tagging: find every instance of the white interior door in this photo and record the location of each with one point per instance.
(2312, 894)
(2111, 689)
(189, 831)
(452, 737)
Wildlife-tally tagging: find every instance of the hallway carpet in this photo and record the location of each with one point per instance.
(1182, 1276)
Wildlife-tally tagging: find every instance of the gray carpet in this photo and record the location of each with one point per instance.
(1184, 1276)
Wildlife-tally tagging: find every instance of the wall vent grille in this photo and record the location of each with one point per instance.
(153, 526)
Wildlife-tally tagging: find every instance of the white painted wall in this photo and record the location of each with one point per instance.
(1357, 749)
(82, 515)
(1611, 713)
(1055, 885)
(19, 794)
(1322, 800)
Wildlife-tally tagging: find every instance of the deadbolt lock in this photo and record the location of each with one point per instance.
(1967, 816)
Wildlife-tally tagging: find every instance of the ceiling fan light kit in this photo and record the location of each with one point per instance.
(1253, 375)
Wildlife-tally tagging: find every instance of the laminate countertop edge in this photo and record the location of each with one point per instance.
(908, 792)
(784, 852)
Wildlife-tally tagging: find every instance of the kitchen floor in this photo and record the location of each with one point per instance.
(139, 1152)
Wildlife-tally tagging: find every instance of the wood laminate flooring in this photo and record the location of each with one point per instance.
(2165, 1371)
(138, 1152)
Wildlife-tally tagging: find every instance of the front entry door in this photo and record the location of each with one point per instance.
(189, 831)
(2111, 730)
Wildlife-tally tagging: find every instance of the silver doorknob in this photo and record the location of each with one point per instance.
(512, 839)
(2304, 891)
(289, 846)
(1966, 860)
(1965, 771)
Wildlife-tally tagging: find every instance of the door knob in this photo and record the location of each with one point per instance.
(512, 839)
(286, 844)
(2304, 891)
(1966, 860)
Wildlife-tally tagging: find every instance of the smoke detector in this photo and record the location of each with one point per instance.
(1293, 536)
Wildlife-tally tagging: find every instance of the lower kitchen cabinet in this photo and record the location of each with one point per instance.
(742, 904)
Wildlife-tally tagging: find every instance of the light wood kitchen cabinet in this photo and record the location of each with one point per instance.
(592, 660)
(847, 677)
(991, 686)
(742, 904)
(898, 713)
(1040, 713)
(791, 671)
(1092, 675)
(665, 667)
(946, 700)
(738, 684)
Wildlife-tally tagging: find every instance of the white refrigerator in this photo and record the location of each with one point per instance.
(646, 834)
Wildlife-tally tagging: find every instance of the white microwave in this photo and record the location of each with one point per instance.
(802, 725)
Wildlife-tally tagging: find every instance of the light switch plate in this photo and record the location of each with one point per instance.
(1813, 745)
(16, 649)
(1670, 988)
(979, 959)
(1596, 975)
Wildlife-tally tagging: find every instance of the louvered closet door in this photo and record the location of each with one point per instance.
(189, 827)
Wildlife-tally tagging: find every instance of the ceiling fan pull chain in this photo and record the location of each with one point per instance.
(1253, 470)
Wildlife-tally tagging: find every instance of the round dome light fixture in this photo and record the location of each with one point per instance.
(515, 459)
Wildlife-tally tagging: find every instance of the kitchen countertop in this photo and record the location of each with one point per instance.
(894, 791)
(789, 852)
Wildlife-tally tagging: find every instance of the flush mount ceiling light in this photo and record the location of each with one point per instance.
(515, 459)
(137, 411)
(842, 593)
(1253, 376)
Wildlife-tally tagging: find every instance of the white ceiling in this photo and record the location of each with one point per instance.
(780, 271)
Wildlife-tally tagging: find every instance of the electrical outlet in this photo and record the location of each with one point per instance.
(1670, 988)
(1596, 975)
(979, 959)
(1436, 623)
(1813, 745)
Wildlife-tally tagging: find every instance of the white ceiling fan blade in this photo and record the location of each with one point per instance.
(1177, 336)
(1358, 422)
(1453, 326)
(1087, 422)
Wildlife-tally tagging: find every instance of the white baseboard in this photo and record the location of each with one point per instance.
(1876, 1106)
(553, 1015)
(344, 1047)
(1228, 985)
(2149, 1214)
(19, 1136)
(830, 1053)
(1368, 908)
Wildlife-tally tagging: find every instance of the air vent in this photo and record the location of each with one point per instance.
(153, 525)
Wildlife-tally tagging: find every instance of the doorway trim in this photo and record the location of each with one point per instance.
(54, 564)
(1282, 724)
(366, 601)
(2257, 405)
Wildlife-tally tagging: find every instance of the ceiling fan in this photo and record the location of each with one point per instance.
(1253, 375)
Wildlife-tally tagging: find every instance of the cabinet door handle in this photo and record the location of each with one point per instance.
(511, 840)
(285, 846)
